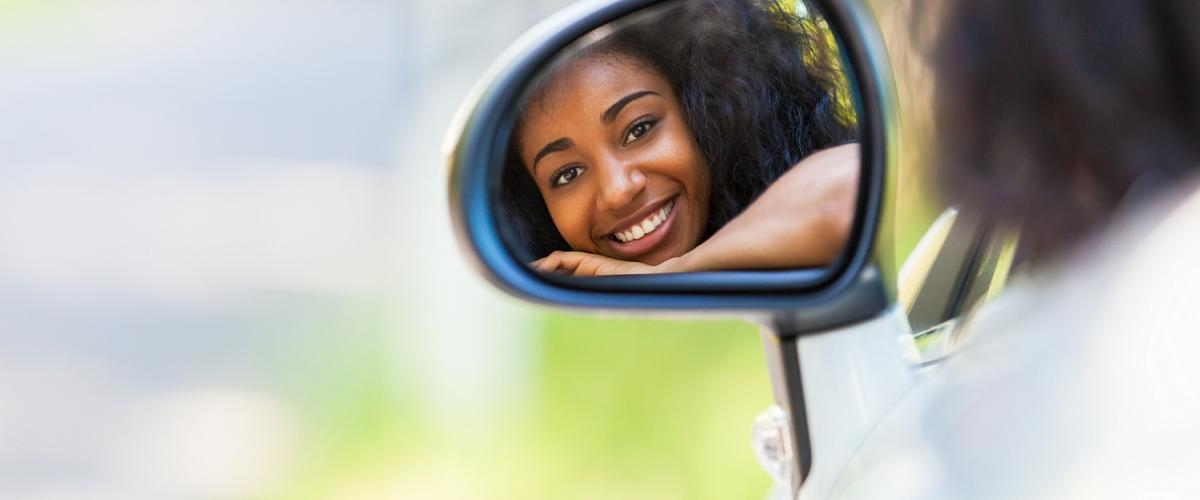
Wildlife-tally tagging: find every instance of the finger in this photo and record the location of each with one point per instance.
(564, 262)
(588, 268)
(586, 264)
(581, 263)
(549, 263)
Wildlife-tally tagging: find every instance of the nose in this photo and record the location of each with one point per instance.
(620, 185)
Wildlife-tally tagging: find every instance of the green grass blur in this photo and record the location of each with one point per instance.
(658, 409)
(619, 408)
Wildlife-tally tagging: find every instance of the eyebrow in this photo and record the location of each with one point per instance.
(560, 144)
(610, 114)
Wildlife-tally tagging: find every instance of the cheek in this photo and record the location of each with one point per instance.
(697, 186)
(692, 171)
(688, 164)
(572, 219)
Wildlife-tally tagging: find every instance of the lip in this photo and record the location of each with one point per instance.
(636, 248)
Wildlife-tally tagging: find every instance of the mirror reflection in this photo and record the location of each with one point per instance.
(700, 135)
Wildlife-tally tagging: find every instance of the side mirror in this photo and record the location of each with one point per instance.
(691, 155)
(615, 132)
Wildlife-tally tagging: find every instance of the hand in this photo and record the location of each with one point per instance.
(588, 264)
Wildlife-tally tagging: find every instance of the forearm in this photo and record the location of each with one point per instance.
(802, 220)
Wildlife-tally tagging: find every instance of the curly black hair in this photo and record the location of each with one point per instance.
(760, 88)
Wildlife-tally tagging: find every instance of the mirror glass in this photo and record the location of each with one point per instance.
(691, 136)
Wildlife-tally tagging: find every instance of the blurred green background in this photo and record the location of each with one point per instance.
(228, 273)
(616, 408)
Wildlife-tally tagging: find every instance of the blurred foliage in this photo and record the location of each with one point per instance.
(653, 408)
(908, 27)
(14, 12)
(830, 56)
(621, 408)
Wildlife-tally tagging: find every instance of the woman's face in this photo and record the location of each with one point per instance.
(607, 145)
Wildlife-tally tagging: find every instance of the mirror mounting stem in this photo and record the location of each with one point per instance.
(783, 363)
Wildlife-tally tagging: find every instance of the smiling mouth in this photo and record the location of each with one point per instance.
(648, 225)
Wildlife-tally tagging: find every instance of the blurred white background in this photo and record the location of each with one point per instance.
(205, 203)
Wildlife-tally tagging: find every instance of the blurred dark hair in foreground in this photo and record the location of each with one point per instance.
(1051, 113)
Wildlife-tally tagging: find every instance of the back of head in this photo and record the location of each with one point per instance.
(1050, 112)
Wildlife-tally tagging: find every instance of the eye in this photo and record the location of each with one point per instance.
(565, 176)
(638, 130)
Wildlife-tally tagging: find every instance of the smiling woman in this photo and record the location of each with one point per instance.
(628, 182)
(706, 136)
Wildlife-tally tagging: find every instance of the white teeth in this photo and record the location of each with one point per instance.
(646, 226)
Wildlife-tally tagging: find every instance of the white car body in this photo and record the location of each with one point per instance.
(1075, 383)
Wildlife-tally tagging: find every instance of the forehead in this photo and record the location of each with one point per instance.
(588, 85)
(600, 72)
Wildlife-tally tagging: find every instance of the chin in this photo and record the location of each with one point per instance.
(663, 255)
